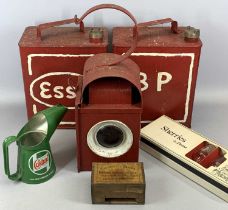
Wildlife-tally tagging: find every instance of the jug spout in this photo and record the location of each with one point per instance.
(54, 116)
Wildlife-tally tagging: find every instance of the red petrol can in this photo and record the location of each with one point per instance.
(168, 59)
(49, 56)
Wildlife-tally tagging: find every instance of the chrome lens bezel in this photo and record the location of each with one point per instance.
(106, 152)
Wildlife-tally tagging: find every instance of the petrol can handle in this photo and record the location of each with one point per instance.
(6, 144)
(44, 26)
(119, 8)
(174, 24)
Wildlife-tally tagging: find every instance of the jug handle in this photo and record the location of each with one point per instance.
(6, 144)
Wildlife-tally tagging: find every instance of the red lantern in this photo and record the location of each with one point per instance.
(108, 107)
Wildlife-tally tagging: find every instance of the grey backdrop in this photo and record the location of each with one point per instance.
(165, 187)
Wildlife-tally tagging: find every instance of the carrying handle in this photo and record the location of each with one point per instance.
(135, 31)
(77, 88)
(174, 24)
(78, 91)
(44, 26)
(6, 144)
(79, 21)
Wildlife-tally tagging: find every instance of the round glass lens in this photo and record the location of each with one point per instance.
(110, 136)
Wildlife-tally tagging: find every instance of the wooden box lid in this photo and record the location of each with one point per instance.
(118, 173)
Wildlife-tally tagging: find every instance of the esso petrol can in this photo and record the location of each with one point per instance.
(49, 57)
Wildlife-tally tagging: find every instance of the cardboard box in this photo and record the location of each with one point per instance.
(198, 158)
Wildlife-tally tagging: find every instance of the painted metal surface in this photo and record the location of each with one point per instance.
(49, 56)
(169, 67)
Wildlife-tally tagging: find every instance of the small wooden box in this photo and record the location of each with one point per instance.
(118, 183)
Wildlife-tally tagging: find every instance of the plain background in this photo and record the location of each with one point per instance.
(69, 190)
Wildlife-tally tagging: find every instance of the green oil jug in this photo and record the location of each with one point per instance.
(35, 163)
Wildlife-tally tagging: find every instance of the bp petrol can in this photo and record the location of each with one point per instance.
(168, 58)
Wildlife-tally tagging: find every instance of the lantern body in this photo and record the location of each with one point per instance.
(109, 114)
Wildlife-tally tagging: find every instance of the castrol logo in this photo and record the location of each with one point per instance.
(51, 88)
(40, 162)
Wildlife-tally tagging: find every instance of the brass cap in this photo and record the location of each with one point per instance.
(96, 35)
(191, 34)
